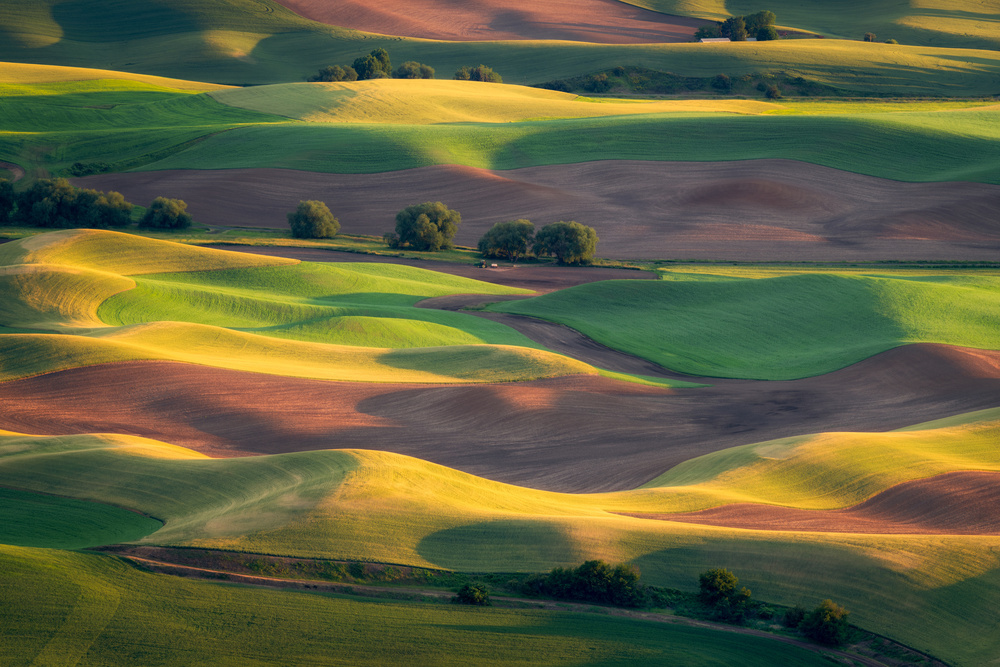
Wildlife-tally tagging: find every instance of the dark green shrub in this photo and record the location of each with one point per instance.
(569, 242)
(717, 584)
(414, 70)
(597, 83)
(478, 73)
(508, 240)
(166, 213)
(773, 93)
(767, 34)
(722, 82)
(593, 581)
(7, 200)
(428, 226)
(793, 617)
(826, 624)
(313, 220)
(474, 594)
(335, 73)
(356, 570)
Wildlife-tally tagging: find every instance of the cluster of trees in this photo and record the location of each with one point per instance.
(718, 589)
(740, 28)
(376, 65)
(478, 73)
(54, 203)
(569, 242)
(594, 581)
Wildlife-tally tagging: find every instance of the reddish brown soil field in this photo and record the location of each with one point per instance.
(958, 503)
(601, 21)
(569, 434)
(756, 210)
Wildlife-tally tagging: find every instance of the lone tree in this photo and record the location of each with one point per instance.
(569, 242)
(411, 69)
(313, 220)
(508, 240)
(718, 590)
(427, 226)
(478, 73)
(335, 73)
(869, 37)
(376, 65)
(826, 624)
(166, 213)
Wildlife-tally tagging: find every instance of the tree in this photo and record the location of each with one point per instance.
(722, 82)
(475, 594)
(869, 37)
(335, 73)
(570, 242)
(508, 239)
(47, 203)
(735, 28)
(427, 226)
(762, 19)
(593, 581)
(313, 220)
(707, 32)
(166, 213)
(375, 65)
(715, 585)
(411, 69)
(767, 34)
(7, 200)
(772, 92)
(827, 623)
(479, 73)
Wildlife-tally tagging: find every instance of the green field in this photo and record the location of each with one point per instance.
(34, 520)
(72, 608)
(959, 23)
(258, 41)
(790, 326)
(233, 310)
(361, 505)
(371, 127)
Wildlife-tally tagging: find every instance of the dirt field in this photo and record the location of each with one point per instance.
(569, 434)
(750, 211)
(601, 21)
(959, 503)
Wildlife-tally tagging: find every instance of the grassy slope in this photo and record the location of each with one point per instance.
(236, 41)
(379, 506)
(34, 520)
(68, 606)
(343, 320)
(957, 23)
(419, 102)
(790, 326)
(919, 146)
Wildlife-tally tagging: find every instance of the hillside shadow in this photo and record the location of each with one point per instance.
(512, 545)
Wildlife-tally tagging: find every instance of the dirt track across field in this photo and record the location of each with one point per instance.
(600, 21)
(576, 434)
(755, 210)
(958, 503)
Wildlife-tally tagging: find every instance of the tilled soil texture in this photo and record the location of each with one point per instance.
(600, 21)
(755, 210)
(574, 434)
(958, 503)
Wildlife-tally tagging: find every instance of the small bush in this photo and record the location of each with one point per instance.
(891, 41)
(597, 83)
(474, 594)
(313, 220)
(411, 69)
(356, 570)
(478, 73)
(335, 73)
(165, 213)
(772, 93)
(793, 617)
(826, 624)
(722, 82)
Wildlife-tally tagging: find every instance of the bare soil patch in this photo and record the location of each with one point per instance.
(575, 434)
(600, 21)
(958, 503)
(15, 170)
(755, 210)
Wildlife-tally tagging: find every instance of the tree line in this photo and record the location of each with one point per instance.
(378, 65)
(55, 203)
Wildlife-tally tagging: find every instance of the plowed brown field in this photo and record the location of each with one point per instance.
(569, 434)
(756, 210)
(958, 503)
(601, 21)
